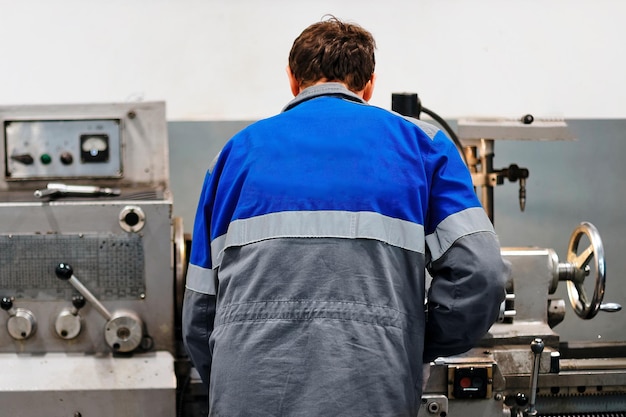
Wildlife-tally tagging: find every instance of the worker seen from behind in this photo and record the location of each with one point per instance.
(306, 284)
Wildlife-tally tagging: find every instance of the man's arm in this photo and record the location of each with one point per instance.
(466, 292)
(464, 259)
(200, 298)
(197, 325)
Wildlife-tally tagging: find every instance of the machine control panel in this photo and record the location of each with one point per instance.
(87, 293)
(45, 149)
(470, 381)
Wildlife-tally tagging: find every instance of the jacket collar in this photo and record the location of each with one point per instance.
(325, 89)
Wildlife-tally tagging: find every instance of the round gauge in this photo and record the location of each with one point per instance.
(94, 148)
(94, 145)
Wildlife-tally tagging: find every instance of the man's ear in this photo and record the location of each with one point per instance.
(369, 88)
(294, 85)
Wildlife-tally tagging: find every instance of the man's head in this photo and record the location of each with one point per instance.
(333, 51)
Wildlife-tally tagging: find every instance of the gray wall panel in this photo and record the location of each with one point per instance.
(193, 145)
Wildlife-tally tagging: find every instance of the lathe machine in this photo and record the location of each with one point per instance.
(90, 257)
(92, 267)
(522, 367)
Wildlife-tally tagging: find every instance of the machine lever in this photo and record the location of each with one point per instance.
(610, 307)
(46, 192)
(56, 189)
(65, 272)
(124, 329)
(536, 346)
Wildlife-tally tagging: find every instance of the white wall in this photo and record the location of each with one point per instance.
(225, 59)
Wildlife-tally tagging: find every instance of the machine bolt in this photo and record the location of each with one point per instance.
(433, 407)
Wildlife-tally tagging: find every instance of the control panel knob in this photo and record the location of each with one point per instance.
(26, 158)
(123, 332)
(66, 158)
(68, 323)
(21, 324)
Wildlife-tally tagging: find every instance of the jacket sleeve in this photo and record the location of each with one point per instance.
(197, 325)
(199, 301)
(463, 258)
(465, 295)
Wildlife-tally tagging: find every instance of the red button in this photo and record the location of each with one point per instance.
(465, 382)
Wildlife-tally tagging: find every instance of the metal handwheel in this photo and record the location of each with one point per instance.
(585, 308)
(180, 264)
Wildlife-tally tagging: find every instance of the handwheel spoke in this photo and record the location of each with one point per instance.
(584, 257)
(582, 295)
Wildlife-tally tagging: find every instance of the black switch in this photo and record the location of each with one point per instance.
(25, 159)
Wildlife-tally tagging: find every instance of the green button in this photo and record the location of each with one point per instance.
(45, 159)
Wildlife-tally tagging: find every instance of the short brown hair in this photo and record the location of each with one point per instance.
(333, 50)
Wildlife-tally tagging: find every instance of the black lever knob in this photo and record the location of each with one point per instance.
(6, 303)
(78, 301)
(537, 346)
(64, 271)
(521, 399)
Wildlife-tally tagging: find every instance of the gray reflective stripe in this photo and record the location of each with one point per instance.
(310, 224)
(200, 280)
(214, 161)
(455, 226)
(430, 130)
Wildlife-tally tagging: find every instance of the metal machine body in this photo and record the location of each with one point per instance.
(478, 137)
(86, 261)
(495, 378)
(92, 268)
(521, 367)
